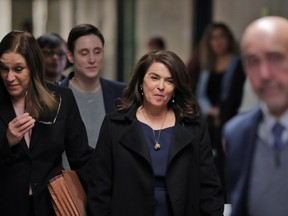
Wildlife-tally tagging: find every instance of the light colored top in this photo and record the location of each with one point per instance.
(92, 110)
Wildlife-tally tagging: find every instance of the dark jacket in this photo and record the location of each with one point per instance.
(112, 90)
(21, 166)
(122, 179)
(240, 134)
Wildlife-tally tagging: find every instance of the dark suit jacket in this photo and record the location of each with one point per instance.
(21, 167)
(122, 179)
(112, 90)
(231, 96)
(240, 134)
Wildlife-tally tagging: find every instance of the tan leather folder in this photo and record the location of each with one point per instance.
(68, 195)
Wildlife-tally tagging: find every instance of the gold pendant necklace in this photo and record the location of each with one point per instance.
(157, 145)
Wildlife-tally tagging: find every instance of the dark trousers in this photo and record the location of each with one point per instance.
(31, 208)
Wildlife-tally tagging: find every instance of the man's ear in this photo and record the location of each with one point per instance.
(70, 57)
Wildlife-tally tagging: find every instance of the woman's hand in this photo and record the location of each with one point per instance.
(18, 127)
(215, 113)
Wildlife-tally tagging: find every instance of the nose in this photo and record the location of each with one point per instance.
(91, 58)
(264, 71)
(10, 76)
(161, 84)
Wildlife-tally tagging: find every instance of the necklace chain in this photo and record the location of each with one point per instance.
(157, 145)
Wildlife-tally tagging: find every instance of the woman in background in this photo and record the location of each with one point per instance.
(153, 155)
(220, 84)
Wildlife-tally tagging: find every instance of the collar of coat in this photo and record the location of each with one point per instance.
(185, 131)
(130, 115)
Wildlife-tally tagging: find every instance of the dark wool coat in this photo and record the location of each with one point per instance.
(21, 166)
(122, 179)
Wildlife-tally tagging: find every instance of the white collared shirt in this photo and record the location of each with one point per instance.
(267, 123)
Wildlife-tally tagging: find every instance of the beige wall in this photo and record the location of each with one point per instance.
(6, 17)
(238, 14)
(171, 19)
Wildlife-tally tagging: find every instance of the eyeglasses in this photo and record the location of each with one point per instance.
(50, 53)
(46, 122)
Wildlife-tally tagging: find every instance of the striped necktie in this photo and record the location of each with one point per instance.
(277, 131)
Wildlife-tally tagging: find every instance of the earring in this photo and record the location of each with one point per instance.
(141, 90)
(173, 99)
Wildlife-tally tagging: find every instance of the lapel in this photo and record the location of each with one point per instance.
(180, 139)
(7, 114)
(36, 132)
(108, 98)
(133, 140)
(248, 143)
(251, 137)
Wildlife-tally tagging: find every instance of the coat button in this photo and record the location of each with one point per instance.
(35, 186)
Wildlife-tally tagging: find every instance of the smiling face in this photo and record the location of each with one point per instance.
(15, 74)
(87, 56)
(158, 86)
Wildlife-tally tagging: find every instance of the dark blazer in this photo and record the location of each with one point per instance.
(240, 134)
(231, 89)
(231, 96)
(122, 179)
(21, 167)
(112, 90)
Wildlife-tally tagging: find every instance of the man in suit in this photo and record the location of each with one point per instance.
(94, 95)
(256, 141)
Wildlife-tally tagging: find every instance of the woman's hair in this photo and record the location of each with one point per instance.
(184, 102)
(26, 45)
(207, 56)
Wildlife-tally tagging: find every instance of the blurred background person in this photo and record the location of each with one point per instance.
(219, 88)
(257, 150)
(153, 155)
(156, 43)
(194, 68)
(54, 50)
(38, 121)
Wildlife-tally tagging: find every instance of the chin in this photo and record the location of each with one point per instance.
(14, 94)
(92, 74)
(277, 106)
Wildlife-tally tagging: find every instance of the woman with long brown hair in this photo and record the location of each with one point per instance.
(38, 121)
(153, 155)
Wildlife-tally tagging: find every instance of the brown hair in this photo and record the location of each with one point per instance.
(207, 56)
(184, 103)
(37, 93)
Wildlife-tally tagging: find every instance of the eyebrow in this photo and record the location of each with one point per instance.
(154, 73)
(87, 49)
(17, 64)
